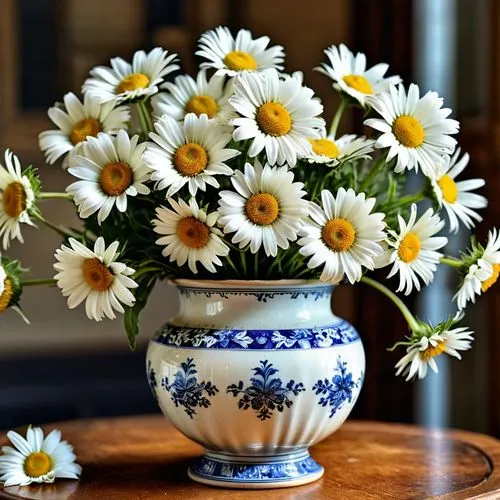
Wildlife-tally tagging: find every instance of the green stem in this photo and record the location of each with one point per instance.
(53, 196)
(412, 322)
(146, 122)
(39, 282)
(145, 270)
(372, 174)
(336, 119)
(404, 201)
(61, 230)
(231, 263)
(451, 261)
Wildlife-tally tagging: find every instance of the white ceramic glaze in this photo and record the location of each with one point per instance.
(256, 372)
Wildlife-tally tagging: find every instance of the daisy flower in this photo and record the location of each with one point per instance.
(191, 153)
(333, 151)
(187, 95)
(416, 130)
(6, 290)
(412, 251)
(278, 114)
(343, 235)
(110, 169)
(267, 208)
(37, 459)
(16, 199)
(229, 55)
(349, 73)
(76, 121)
(482, 272)
(190, 235)
(94, 276)
(420, 355)
(455, 196)
(125, 81)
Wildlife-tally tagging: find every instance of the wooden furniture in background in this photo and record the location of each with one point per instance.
(145, 457)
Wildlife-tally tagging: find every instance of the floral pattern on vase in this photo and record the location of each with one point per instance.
(340, 333)
(153, 384)
(337, 391)
(186, 391)
(266, 392)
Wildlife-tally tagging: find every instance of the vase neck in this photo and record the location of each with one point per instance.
(254, 304)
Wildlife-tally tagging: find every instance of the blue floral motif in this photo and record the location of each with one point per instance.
(340, 333)
(266, 392)
(153, 384)
(255, 472)
(337, 391)
(186, 391)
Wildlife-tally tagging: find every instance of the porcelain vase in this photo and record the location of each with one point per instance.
(256, 372)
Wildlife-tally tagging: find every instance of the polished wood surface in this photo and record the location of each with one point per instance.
(146, 458)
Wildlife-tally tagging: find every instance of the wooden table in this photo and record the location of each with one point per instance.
(146, 458)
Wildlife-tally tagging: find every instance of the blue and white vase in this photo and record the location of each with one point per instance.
(256, 372)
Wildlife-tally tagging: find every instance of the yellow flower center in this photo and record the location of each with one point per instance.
(324, 147)
(14, 199)
(97, 275)
(274, 119)
(409, 248)
(492, 279)
(192, 232)
(6, 297)
(37, 464)
(200, 104)
(191, 159)
(116, 178)
(359, 83)
(239, 61)
(408, 131)
(82, 129)
(339, 234)
(448, 188)
(433, 351)
(133, 81)
(262, 208)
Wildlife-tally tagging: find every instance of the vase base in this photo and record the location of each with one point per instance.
(233, 471)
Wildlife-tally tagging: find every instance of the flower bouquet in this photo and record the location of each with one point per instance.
(234, 174)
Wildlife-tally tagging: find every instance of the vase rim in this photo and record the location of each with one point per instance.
(284, 283)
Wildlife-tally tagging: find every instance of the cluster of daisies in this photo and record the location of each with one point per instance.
(234, 173)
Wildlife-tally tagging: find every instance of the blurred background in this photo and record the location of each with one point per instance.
(64, 366)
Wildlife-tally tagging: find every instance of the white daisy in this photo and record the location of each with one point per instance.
(187, 95)
(229, 56)
(94, 276)
(16, 199)
(343, 235)
(415, 129)
(191, 153)
(412, 251)
(420, 355)
(455, 196)
(482, 273)
(37, 459)
(267, 208)
(77, 121)
(190, 235)
(6, 289)
(110, 169)
(124, 81)
(333, 151)
(278, 114)
(349, 73)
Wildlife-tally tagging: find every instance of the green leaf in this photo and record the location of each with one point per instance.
(131, 317)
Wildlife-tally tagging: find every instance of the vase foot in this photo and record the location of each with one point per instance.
(234, 471)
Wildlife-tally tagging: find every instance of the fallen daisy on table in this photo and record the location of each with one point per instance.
(37, 459)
